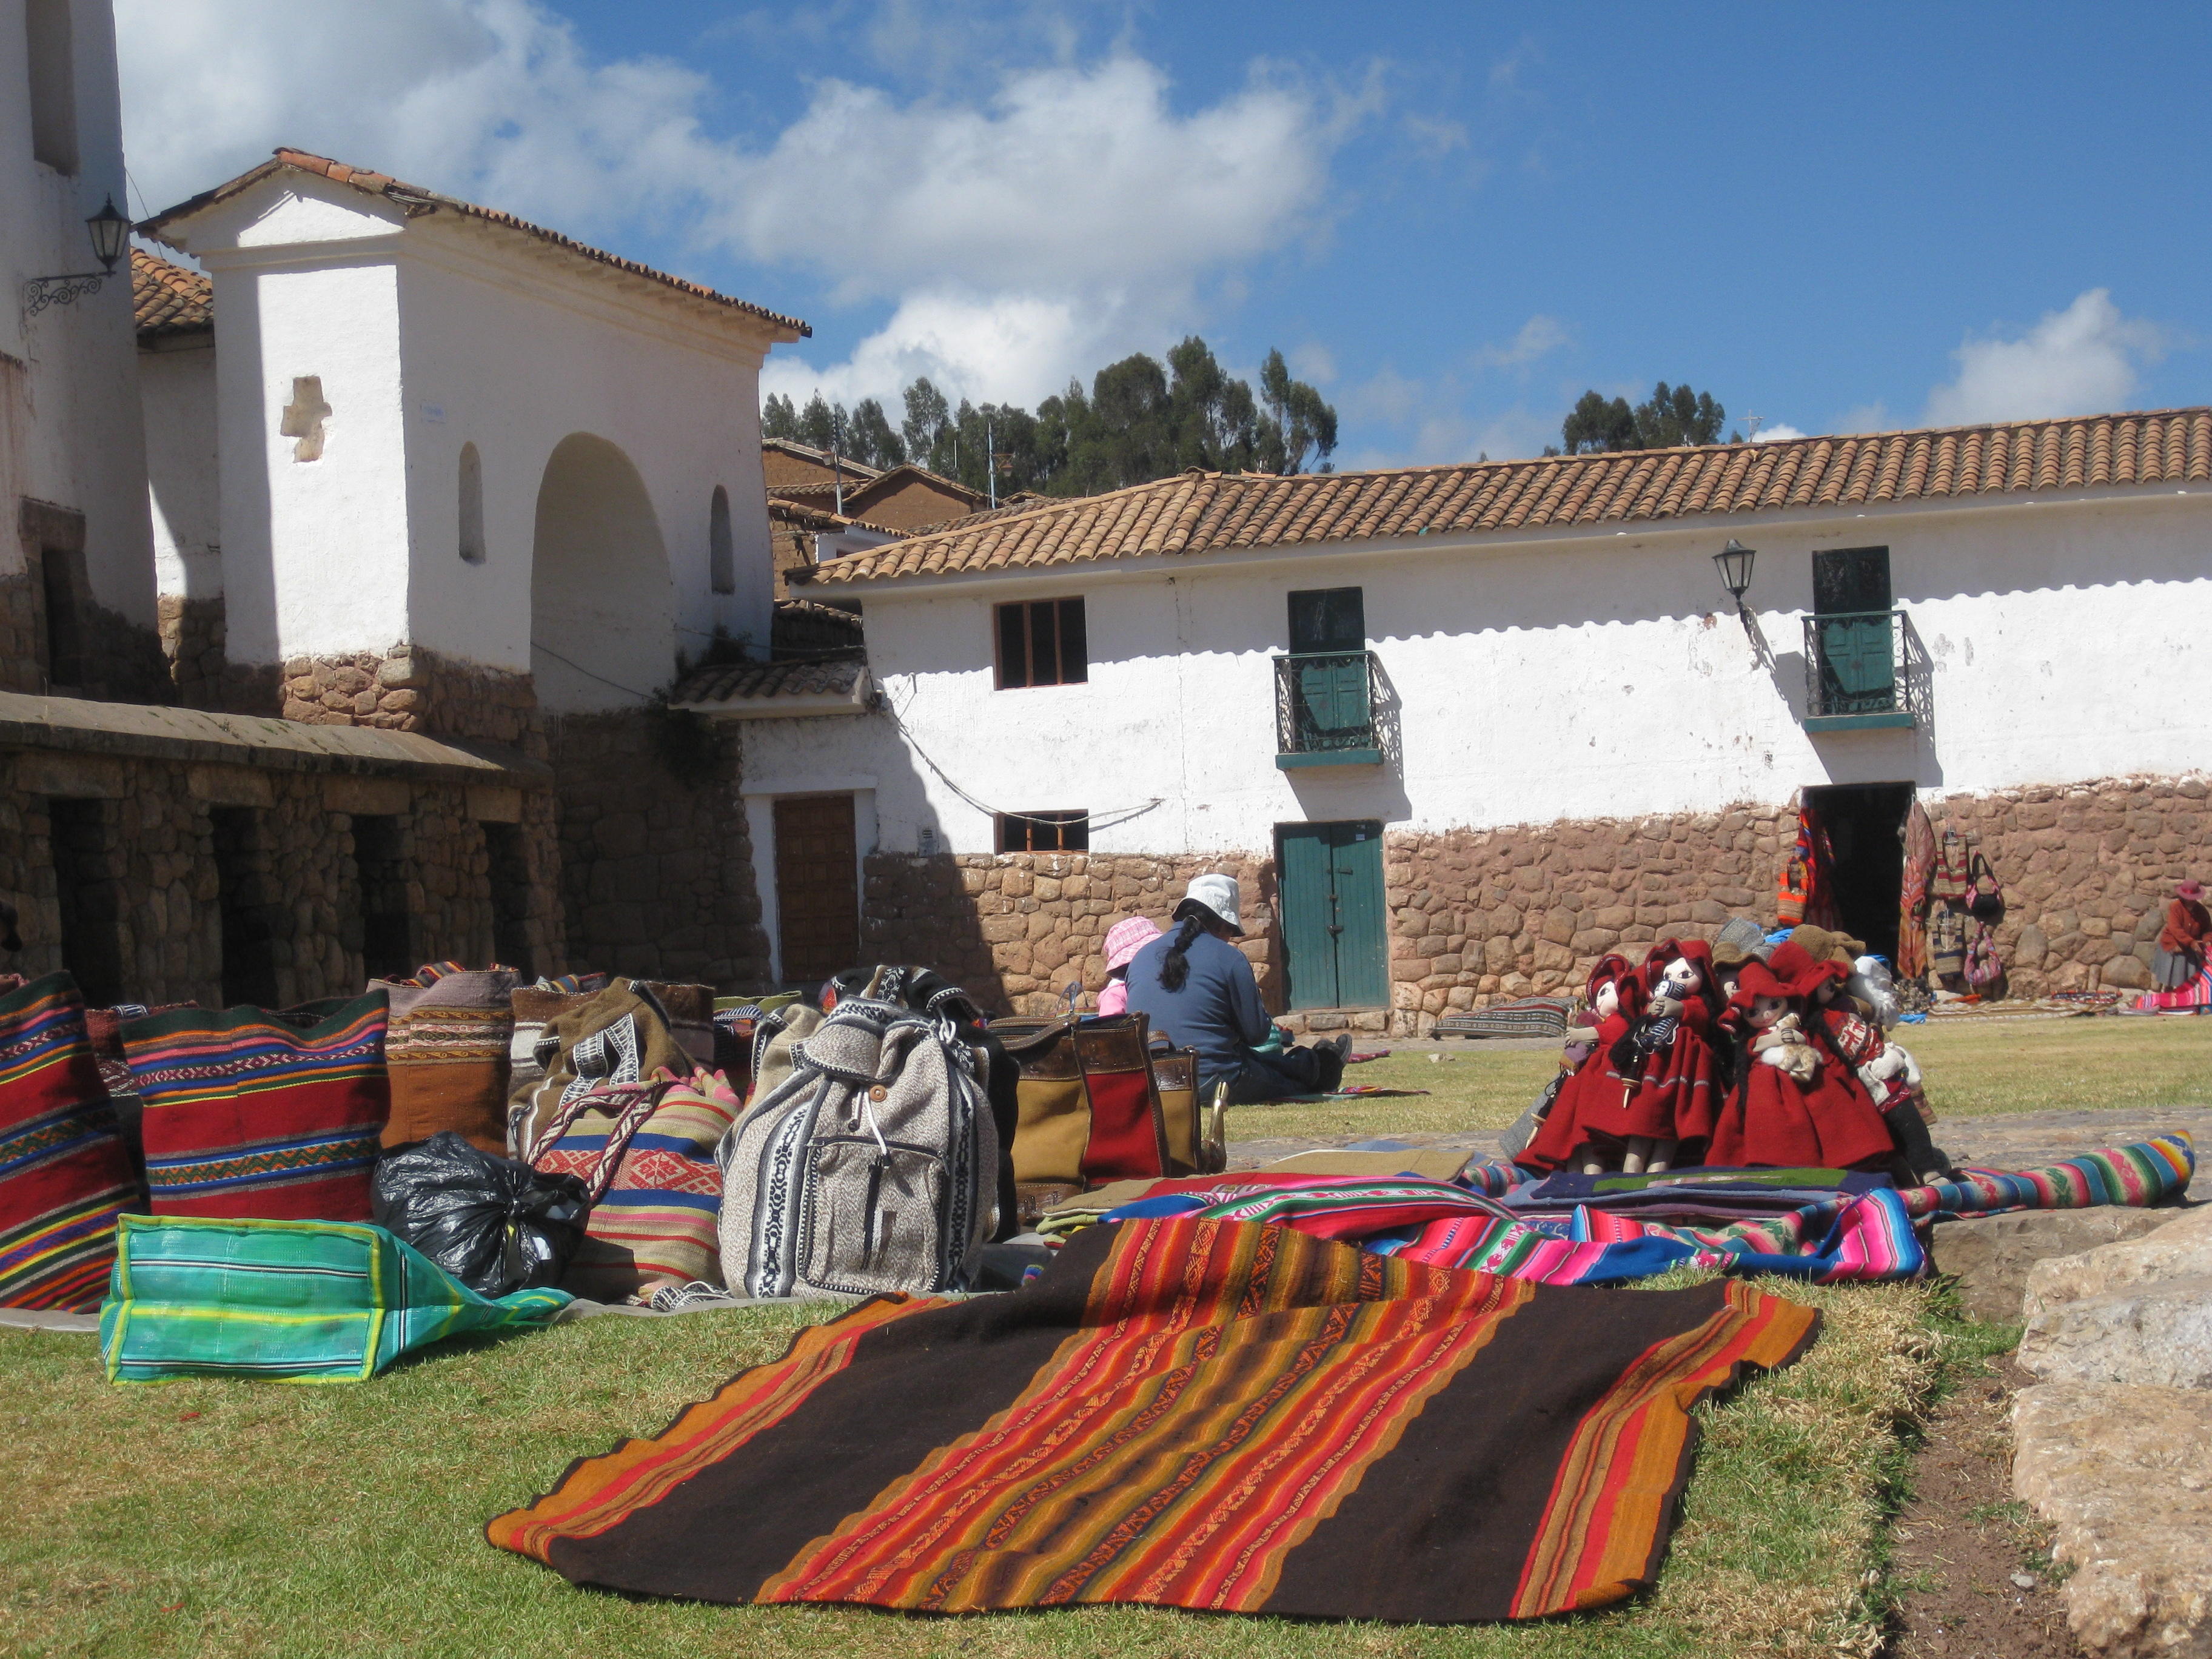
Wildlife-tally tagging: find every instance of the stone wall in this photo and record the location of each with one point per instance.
(1477, 916)
(1017, 927)
(412, 690)
(152, 827)
(656, 859)
(193, 644)
(2088, 872)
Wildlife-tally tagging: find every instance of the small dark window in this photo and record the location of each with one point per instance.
(721, 548)
(1328, 619)
(65, 662)
(471, 506)
(246, 902)
(51, 54)
(88, 857)
(1045, 832)
(1848, 581)
(387, 943)
(510, 895)
(1042, 643)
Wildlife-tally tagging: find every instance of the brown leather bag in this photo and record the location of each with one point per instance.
(1174, 1079)
(1090, 1110)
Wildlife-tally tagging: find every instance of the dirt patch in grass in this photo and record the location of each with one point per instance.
(1971, 1573)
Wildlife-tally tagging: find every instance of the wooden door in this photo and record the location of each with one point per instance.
(1334, 934)
(817, 897)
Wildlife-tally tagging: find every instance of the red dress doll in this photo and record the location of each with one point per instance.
(1796, 1103)
(1588, 1123)
(1677, 1089)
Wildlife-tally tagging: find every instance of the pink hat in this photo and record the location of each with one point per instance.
(1125, 938)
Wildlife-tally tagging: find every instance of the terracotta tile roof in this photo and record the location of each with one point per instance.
(1210, 511)
(749, 681)
(853, 470)
(167, 298)
(806, 516)
(416, 202)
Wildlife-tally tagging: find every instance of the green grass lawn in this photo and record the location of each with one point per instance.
(1973, 1069)
(238, 1518)
(241, 1518)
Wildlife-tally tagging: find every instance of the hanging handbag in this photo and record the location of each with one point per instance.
(1983, 967)
(1090, 1111)
(1789, 893)
(1984, 898)
(1946, 943)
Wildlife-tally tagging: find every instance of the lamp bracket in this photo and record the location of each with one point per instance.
(43, 291)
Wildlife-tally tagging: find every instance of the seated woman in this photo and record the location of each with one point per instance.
(1198, 991)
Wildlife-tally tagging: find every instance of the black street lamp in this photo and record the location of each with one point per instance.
(1733, 562)
(110, 234)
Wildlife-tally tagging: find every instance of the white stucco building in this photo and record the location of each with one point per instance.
(76, 586)
(447, 434)
(1431, 666)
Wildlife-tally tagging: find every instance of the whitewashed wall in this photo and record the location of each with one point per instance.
(177, 392)
(70, 430)
(1556, 677)
(434, 332)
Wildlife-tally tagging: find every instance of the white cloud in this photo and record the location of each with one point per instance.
(1067, 214)
(1313, 363)
(2084, 360)
(1537, 337)
(1775, 433)
(1865, 417)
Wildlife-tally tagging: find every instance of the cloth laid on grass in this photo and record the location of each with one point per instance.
(1349, 1091)
(250, 1112)
(65, 1173)
(292, 1301)
(2140, 1174)
(1192, 1414)
(2187, 998)
(1525, 1017)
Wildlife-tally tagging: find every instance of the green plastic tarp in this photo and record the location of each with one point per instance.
(293, 1301)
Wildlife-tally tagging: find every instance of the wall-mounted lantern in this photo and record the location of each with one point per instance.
(1733, 562)
(110, 234)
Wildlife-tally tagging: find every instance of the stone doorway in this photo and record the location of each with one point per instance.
(1865, 823)
(818, 896)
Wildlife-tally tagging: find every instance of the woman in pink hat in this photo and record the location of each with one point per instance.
(1123, 940)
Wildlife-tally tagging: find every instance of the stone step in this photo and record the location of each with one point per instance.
(2153, 1335)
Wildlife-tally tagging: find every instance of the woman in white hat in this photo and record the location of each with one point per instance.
(1198, 991)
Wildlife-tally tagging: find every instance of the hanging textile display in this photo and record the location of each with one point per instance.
(1912, 896)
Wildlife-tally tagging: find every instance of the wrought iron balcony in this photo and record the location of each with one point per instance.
(1862, 670)
(1325, 707)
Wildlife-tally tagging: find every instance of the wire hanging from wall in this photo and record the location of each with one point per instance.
(1107, 818)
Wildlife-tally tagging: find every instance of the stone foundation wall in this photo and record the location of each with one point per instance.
(157, 847)
(1015, 928)
(415, 691)
(656, 862)
(1477, 916)
(193, 644)
(20, 606)
(2088, 872)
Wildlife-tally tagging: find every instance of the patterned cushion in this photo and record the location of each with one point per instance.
(64, 1174)
(254, 1114)
(446, 1051)
(647, 1150)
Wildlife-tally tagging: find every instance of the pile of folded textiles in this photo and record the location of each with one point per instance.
(1828, 1226)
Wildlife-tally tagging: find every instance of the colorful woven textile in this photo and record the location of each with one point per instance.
(64, 1176)
(446, 1052)
(292, 1301)
(1185, 1414)
(254, 1112)
(1868, 1235)
(646, 1151)
(2140, 1174)
(2184, 998)
(1524, 1017)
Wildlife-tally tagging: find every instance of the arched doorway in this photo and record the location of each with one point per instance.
(602, 606)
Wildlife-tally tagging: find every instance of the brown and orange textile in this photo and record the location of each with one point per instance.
(1204, 1414)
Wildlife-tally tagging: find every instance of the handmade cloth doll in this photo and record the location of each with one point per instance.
(1587, 1122)
(1678, 1087)
(1795, 1102)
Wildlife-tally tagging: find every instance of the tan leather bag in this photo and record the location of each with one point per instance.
(1174, 1079)
(1090, 1110)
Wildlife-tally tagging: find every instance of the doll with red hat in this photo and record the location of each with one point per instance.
(1796, 1102)
(1678, 1090)
(1588, 1124)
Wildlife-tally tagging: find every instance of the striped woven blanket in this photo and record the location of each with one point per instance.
(2141, 1174)
(1192, 1414)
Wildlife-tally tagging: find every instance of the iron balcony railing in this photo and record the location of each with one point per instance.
(1860, 667)
(1325, 703)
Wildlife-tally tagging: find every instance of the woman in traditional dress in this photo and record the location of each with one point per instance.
(2183, 942)
(1588, 1123)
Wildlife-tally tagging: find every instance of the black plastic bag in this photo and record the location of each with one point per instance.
(494, 1224)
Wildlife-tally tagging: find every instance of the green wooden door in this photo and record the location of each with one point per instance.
(1851, 609)
(1333, 933)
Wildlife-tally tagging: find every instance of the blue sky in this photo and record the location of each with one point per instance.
(1454, 218)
